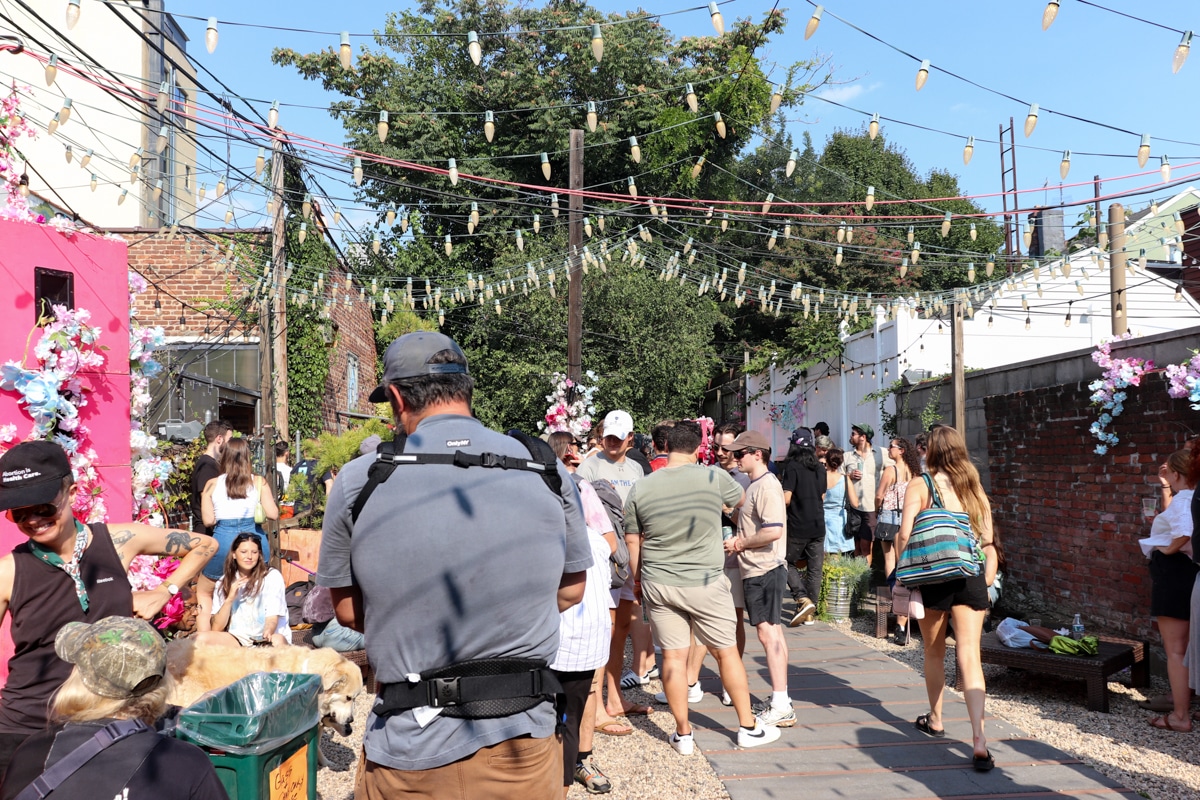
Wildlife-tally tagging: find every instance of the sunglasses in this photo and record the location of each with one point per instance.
(740, 454)
(40, 511)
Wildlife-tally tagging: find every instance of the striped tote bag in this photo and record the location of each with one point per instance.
(941, 548)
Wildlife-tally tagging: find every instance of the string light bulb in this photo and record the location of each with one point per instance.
(452, 171)
(93, 182)
(635, 152)
(221, 185)
(1049, 15)
(211, 35)
(160, 143)
(303, 234)
(791, 164)
(545, 159)
(873, 127)
(1028, 322)
(520, 240)
(390, 217)
(904, 267)
(870, 197)
(70, 154)
(849, 234)
(1164, 169)
(814, 22)
(841, 232)
(837, 257)
(537, 223)
(358, 171)
(968, 150)
(345, 53)
(1064, 166)
(720, 123)
(260, 161)
(1181, 52)
(72, 14)
(971, 272)
(52, 126)
(158, 189)
(381, 127)
(597, 43)
(473, 48)
(449, 245)
(776, 100)
(52, 69)
(910, 235)
(489, 125)
(554, 204)
(273, 115)
(136, 158)
(64, 113)
(989, 267)
(766, 206)
(974, 233)
(229, 215)
(1144, 150)
(946, 225)
(922, 74)
(718, 21)
(632, 186)
(121, 197)
(690, 95)
(697, 167)
(1178, 292)
(1031, 119)
(915, 254)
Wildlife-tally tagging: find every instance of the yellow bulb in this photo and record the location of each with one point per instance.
(696, 168)
(403, 223)
(632, 187)
(813, 22)
(390, 216)
(520, 240)
(489, 125)
(1164, 169)
(337, 215)
(158, 189)
(946, 225)
(473, 48)
(849, 234)
(1031, 119)
(64, 114)
(692, 103)
(70, 154)
(161, 143)
(376, 244)
(1064, 166)
(772, 240)
(72, 14)
(791, 165)
(229, 215)
(870, 197)
(449, 246)
(381, 128)
(724, 222)
(597, 44)
(873, 128)
(122, 196)
(720, 124)
(358, 171)
(211, 35)
(220, 187)
(974, 233)
(635, 152)
(545, 157)
(776, 100)
(1049, 14)
(273, 115)
(969, 150)
(260, 161)
(537, 223)
(922, 74)
(453, 172)
(766, 206)
(345, 53)
(93, 182)
(554, 205)
(989, 268)
(87, 159)
(1181, 52)
(303, 234)
(52, 69)
(837, 258)
(718, 21)
(1144, 150)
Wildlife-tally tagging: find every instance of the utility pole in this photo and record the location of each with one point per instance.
(278, 363)
(1097, 211)
(575, 240)
(266, 347)
(957, 372)
(1116, 267)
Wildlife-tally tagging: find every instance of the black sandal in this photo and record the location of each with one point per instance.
(984, 763)
(923, 727)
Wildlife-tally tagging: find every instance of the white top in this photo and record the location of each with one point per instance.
(285, 472)
(584, 630)
(249, 614)
(1175, 522)
(226, 507)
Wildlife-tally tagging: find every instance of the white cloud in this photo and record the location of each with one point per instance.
(842, 94)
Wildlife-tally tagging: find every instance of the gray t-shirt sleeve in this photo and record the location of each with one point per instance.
(631, 518)
(579, 550)
(731, 490)
(335, 570)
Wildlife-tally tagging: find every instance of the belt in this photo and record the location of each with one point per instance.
(473, 696)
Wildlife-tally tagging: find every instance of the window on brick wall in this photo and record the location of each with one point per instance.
(351, 382)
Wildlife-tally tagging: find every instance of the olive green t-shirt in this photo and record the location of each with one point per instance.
(677, 511)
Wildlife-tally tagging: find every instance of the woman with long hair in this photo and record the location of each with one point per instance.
(250, 605)
(889, 499)
(957, 487)
(1172, 581)
(836, 497)
(229, 504)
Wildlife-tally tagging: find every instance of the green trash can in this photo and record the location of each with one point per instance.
(261, 735)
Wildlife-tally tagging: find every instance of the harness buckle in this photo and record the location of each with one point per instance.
(444, 692)
(490, 459)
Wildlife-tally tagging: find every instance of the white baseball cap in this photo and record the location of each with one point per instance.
(618, 424)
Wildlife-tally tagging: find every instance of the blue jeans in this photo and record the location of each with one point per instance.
(225, 531)
(340, 638)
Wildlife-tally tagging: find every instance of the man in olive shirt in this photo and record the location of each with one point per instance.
(673, 530)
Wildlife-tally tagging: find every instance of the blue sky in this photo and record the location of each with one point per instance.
(1091, 64)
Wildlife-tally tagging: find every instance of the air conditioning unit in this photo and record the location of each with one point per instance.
(911, 377)
(179, 431)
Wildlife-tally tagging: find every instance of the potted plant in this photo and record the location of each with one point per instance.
(841, 578)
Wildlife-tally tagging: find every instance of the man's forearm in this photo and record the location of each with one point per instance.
(633, 541)
(762, 538)
(202, 549)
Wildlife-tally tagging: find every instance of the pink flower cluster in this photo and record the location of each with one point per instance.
(147, 573)
(1184, 380)
(1108, 392)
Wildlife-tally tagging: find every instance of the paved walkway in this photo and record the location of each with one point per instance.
(854, 736)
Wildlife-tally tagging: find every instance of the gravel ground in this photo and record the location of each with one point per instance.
(1161, 765)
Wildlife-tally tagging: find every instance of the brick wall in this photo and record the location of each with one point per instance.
(1070, 519)
(355, 335)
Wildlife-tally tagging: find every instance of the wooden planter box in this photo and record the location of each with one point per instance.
(302, 545)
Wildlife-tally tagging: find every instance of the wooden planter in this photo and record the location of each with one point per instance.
(302, 545)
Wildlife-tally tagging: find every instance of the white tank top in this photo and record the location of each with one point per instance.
(226, 507)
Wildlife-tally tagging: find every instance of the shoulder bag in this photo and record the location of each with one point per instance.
(942, 546)
(260, 514)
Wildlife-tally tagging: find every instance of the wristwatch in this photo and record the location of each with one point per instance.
(172, 589)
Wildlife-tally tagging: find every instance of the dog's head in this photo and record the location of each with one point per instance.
(341, 682)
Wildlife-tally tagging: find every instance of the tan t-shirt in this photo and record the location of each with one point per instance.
(764, 508)
(865, 488)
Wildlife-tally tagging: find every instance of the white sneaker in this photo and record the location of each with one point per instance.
(760, 735)
(686, 745)
(726, 700)
(631, 680)
(779, 717)
(695, 694)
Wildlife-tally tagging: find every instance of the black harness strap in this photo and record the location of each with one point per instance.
(448, 692)
(104, 738)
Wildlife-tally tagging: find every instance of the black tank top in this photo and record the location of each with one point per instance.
(44, 600)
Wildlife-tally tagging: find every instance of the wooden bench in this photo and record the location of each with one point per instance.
(303, 638)
(1115, 654)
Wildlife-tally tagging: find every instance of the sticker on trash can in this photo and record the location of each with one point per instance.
(289, 781)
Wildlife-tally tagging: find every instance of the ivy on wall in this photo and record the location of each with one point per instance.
(308, 367)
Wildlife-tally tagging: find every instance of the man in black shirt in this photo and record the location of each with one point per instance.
(803, 485)
(216, 433)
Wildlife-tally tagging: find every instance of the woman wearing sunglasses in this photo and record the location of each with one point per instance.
(65, 572)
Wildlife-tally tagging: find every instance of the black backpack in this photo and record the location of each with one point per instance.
(295, 596)
(618, 561)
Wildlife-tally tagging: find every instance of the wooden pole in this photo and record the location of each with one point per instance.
(279, 362)
(575, 240)
(268, 361)
(1116, 268)
(958, 378)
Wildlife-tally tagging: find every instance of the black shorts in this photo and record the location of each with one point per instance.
(764, 596)
(970, 592)
(1171, 580)
(576, 688)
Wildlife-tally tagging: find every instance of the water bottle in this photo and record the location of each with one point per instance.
(726, 533)
(1077, 628)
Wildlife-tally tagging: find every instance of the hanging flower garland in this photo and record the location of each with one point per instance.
(1183, 380)
(787, 415)
(1108, 392)
(707, 453)
(150, 470)
(571, 406)
(13, 126)
(52, 395)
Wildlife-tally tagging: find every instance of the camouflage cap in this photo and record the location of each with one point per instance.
(117, 657)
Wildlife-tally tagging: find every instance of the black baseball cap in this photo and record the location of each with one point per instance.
(803, 437)
(31, 473)
(408, 357)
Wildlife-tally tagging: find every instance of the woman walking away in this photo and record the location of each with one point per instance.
(803, 486)
(250, 604)
(889, 498)
(955, 486)
(230, 504)
(1173, 577)
(837, 538)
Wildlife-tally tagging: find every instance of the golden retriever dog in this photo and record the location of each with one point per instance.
(199, 669)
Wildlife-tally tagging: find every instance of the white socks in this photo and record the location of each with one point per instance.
(781, 700)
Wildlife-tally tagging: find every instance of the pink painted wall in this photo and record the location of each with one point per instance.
(101, 286)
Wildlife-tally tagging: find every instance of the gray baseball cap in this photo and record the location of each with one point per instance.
(408, 357)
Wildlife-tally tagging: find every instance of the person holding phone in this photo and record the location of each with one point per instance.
(249, 604)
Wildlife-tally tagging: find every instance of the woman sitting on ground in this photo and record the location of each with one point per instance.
(257, 614)
(1172, 577)
(120, 674)
(965, 600)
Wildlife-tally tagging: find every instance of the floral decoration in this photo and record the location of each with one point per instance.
(707, 453)
(571, 406)
(1183, 380)
(150, 470)
(1108, 392)
(54, 392)
(13, 126)
(147, 573)
(787, 415)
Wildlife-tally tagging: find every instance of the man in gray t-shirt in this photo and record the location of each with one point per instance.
(447, 565)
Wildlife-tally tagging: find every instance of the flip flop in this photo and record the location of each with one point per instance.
(637, 711)
(607, 728)
(1161, 702)
(983, 763)
(923, 727)
(1163, 723)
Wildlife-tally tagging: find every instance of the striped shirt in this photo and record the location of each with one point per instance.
(584, 630)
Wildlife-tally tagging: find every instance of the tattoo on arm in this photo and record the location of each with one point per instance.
(180, 542)
(120, 538)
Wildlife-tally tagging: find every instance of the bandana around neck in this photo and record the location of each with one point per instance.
(70, 567)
